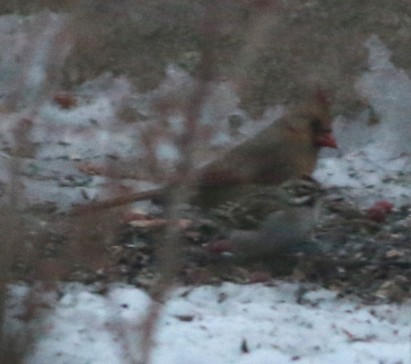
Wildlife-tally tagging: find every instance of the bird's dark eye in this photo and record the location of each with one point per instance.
(316, 124)
(319, 126)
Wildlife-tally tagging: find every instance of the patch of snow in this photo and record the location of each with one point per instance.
(86, 327)
(388, 91)
(375, 161)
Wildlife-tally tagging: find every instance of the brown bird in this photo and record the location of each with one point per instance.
(249, 211)
(286, 149)
(271, 218)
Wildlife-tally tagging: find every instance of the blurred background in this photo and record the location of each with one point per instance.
(277, 48)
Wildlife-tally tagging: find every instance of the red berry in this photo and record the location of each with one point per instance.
(379, 211)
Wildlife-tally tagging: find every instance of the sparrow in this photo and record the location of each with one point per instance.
(286, 149)
(272, 218)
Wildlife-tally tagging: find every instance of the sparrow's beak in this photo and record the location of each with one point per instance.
(326, 139)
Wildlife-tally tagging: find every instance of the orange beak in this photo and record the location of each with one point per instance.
(326, 139)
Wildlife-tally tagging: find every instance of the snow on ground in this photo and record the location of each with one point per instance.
(376, 159)
(212, 324)
(232, 323)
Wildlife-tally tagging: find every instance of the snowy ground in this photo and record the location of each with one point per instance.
(232, 323)
(228, 324)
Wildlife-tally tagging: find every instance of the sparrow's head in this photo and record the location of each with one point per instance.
(303, 191)
(249, 210)
(277, 226)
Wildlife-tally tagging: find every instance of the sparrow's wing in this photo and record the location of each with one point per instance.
(247, 212)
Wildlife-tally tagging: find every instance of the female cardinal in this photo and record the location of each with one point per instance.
(286, 149)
